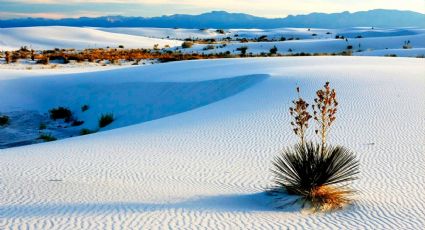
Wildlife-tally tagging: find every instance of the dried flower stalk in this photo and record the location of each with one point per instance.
(325, 108)
(301, 116)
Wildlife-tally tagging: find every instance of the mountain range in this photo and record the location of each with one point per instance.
(225, 20)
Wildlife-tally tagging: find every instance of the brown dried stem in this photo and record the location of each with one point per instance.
(301, 116)
(325, 108)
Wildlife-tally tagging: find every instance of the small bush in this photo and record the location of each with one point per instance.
(77, 123)
(4, 120)
(273, 50)
(84, 108)
(187, 44)
(220, 31)
(60, 113)
(310, 173)
(209, 47)
(349, 47)
(42, 126)
(242, 49)
(106, 119)
(86, 132)
(47, 137)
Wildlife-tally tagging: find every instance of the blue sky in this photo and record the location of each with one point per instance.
(149, 8)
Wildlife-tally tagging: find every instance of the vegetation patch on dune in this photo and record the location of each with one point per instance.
(317, 173)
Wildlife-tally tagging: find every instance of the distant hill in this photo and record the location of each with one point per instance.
(224, 20)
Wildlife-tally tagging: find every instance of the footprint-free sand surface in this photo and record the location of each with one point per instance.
(206, 165)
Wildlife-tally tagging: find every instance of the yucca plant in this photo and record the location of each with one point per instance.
(315, 175)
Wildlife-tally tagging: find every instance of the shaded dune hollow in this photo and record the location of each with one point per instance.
(129, 102)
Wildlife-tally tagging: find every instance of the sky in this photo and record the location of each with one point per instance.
(151, 8)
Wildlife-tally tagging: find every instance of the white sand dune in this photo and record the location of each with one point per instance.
(206, 168)
(321, 45)
(50, 37)
(372, 41)
(302, 33)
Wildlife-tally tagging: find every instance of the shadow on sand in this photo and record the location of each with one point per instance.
(257, 202)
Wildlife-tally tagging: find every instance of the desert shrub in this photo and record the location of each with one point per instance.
(209, 47)
(4, 120)
(315, 175)
(220, 31)
(44, 61)
(262, 38)
(273, 50)
(84, 108)
(187, 44)
(60, 113)
(121, 46)
(42, 126)
(47, 137)
(407, 45)
(390, 55)
(106, 119)
(314, 35)
(77, 123)
(242, 49)
(349, 47)
(86, 132)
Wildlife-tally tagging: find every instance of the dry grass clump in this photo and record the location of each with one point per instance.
(328, 198)
(106, 119)
(60, 113)
(47, 137)
(4, 120)
(315, 172)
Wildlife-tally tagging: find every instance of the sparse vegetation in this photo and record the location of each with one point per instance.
(242, 49)
(60, 113)
(4, 120)
(42, 126)
(187, 44)
(84, 108)
(407, 45)
(86, 132)
(273, 50)
(77, 123)
(315, 172)
(47, 137)
(220, 31)
(209, 47)
(106, 119)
